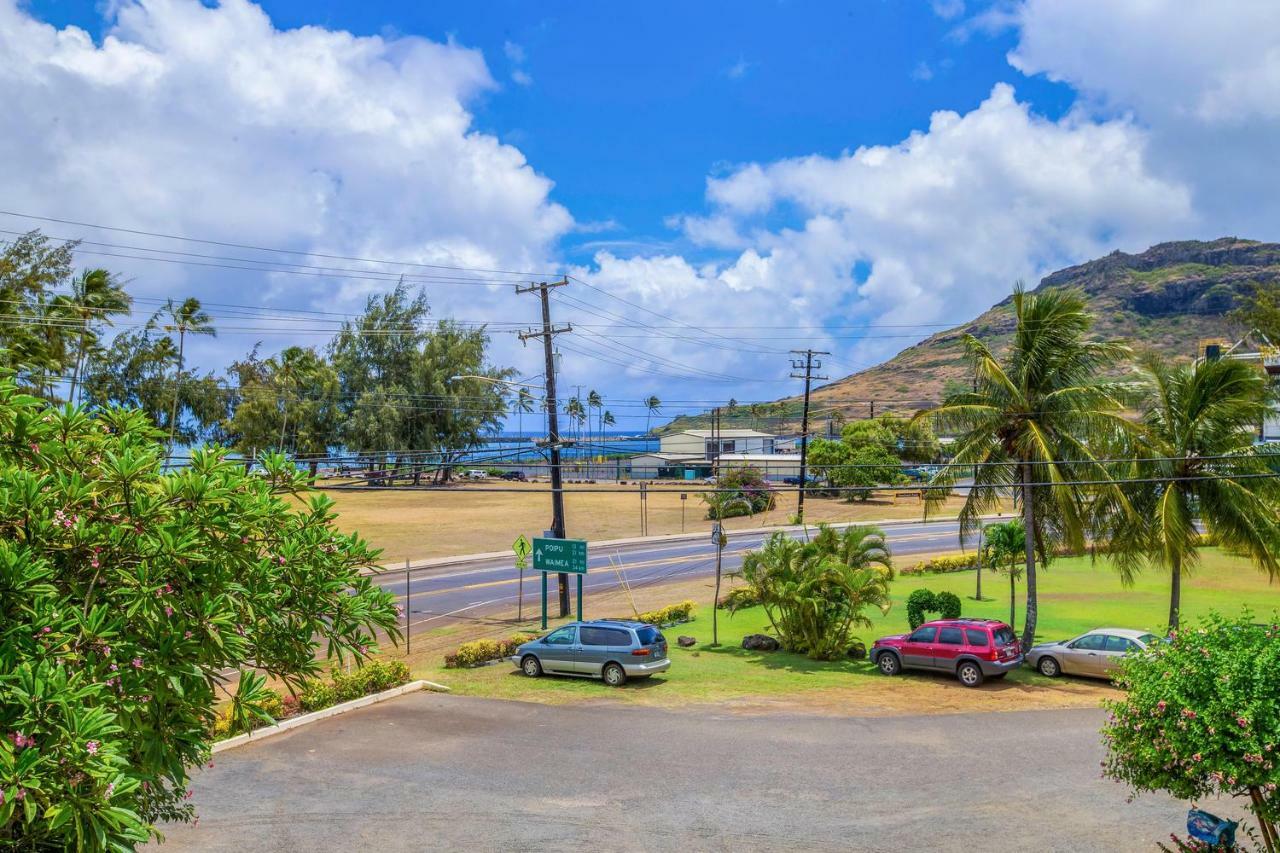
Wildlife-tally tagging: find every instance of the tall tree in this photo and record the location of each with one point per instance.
(288, 402)
(524, 405)
(1196, 442)
(653, 405)
(396, 371)
(1005, 544)
(136, 371)
(96, 297)
(32, 338)
(186, 317)
(1029, 423)
(594, 404)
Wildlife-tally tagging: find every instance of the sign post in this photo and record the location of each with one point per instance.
(521, 547)
(567, 556)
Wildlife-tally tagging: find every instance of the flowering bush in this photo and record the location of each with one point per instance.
(481, 651)
(740, 599)
(682, 612)
(1200, 717)
(124, 592)
(943, 565)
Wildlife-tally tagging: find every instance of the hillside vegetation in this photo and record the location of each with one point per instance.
(1164, 299)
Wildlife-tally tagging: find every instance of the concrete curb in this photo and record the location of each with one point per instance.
(325, 713)
(445, 562)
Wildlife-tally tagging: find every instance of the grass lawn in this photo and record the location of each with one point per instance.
(1075, 596)
(463, 519)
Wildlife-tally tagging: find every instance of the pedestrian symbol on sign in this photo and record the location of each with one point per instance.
(522, 547)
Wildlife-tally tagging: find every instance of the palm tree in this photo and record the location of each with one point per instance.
(524, 403)
(1005, 543)
(1197, 438)
(814, 592)
(184, 318)
(756, 409)
(1028, 424)
(654, 405)
(593, 403)
(95, 297)
(573, 409)
(607, 419)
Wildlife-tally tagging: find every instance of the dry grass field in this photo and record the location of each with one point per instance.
(468, 519)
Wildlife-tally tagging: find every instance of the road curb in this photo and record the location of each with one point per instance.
(445, 562)
(325, 713)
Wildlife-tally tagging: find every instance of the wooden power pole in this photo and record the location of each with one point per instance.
(548, 332)
(808, 364)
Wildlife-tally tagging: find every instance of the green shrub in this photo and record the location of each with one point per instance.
(682, 612)
(477, 652)
(740, 599)
(127, 587)
(373, 677)
(317, 694)
(948, 604)
(1198, 718)
(921, 602)
(943, 565)
(814, 592)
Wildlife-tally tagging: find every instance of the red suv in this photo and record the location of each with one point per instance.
(973, 649)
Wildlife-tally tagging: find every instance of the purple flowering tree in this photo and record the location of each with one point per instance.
(127, 594)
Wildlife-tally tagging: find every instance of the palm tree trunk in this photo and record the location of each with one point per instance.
(1175, 593)
(1028, 521)
(177, 384)
(1013, 597)
(75, 373)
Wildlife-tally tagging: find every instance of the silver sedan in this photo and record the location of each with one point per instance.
(1095, 654)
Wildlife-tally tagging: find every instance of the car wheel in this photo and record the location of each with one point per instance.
(530, 666)
(888, 663)
(1049, 667)
(614, 675)
(969, 673)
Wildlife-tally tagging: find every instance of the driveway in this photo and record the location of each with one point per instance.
(430, 771)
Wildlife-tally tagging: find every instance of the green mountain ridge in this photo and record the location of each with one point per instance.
(1165, 299)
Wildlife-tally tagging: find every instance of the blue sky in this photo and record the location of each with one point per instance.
(851, 176)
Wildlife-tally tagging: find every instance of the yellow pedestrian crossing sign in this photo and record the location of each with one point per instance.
(522, 548)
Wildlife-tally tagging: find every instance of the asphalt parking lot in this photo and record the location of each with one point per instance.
(430, 771)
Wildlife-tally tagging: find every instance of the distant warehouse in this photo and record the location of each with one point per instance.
(692, 454)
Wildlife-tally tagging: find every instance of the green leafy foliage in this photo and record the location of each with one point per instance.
(672, 613)
(740, 599)
(1200, 716)
(1193, 418)
(484, 650)
(922, 602)
(126, 592)
(739, 491)
(942, 565)
(1039, 409)
(814, 592)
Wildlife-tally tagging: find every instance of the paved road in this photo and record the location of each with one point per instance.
(434, 772)
(485, 586)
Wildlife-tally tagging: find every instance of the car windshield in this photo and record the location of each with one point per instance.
(649, 634)
(1003, 635)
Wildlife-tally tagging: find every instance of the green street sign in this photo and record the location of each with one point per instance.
(560, 555)
(522, 549)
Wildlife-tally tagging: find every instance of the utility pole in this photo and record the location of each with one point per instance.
(808, 364)
(543, 289)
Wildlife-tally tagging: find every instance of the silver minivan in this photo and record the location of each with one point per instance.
(610, 649)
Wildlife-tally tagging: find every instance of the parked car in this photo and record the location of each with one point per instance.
(1096, 653)
(477, 474)
(513, 475)
(795, 481)
(972, 649)
(609, 649)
